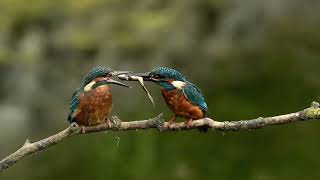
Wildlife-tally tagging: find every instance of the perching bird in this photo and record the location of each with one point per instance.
(92, 102)
(181, 96)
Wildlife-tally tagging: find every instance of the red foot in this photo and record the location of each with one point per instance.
(170, 124)
(83, 130)
(188, 123)
(171, 121)
(109, 123)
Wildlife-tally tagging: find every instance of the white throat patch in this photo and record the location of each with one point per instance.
(178, 84)
(88, 87)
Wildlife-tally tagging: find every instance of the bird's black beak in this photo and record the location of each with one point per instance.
(133, 76)
(111, 81)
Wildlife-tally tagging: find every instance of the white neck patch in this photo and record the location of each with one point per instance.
(178, 84)
(88, 87)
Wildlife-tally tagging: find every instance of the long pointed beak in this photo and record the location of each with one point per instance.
(111, 81)
(116, 73)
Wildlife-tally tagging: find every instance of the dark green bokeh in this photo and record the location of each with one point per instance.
(250, 58)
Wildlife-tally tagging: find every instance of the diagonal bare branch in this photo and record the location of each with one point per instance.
(158, 123)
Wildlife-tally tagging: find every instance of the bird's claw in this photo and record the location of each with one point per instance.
(83, 130)
(109, 123)
(188, 124)
(170, 124)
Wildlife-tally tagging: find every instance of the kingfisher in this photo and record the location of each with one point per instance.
(184, 98)
(92, 102)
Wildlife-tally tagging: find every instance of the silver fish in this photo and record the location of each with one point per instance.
(140, 79)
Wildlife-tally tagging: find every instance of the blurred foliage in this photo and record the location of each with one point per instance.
(251, 58)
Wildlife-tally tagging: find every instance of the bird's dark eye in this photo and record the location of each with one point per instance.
(157, 76)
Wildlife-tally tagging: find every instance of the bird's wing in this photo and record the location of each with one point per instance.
(74, 102)
(195, 96)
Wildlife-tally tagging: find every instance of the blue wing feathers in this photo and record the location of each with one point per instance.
(195, 96)
(74, 102)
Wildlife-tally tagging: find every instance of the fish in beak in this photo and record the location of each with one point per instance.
(141, 77)
(117, 73)
(133, 76)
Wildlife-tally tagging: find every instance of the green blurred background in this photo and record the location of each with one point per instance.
(251, 58)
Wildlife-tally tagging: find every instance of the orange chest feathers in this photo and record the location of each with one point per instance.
(94, 106)
(180, 105)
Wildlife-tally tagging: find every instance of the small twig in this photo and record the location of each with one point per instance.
(158, 123)
(118, 141)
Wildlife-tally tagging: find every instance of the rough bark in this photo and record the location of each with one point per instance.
(158, 123)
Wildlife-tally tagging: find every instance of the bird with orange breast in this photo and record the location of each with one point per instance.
(181, 96)
(91, 103)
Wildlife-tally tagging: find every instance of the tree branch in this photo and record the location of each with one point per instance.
(116, 125)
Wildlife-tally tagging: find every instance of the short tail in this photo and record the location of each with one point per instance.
(203, 129)
(70, 119)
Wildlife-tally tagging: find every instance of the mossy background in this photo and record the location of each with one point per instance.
(251, 58)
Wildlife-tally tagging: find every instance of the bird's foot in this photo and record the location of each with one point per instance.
(172, 120)
(188, 123)
(108, 122)
(169, 126)
(83, 130)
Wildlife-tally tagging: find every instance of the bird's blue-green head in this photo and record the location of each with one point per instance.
(165, 73)
(102, 75)
(163, 76)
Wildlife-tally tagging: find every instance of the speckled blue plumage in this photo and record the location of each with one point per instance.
(169, 73)
(195, 96)
(191, 91)
(99, 71)
(93, 73)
